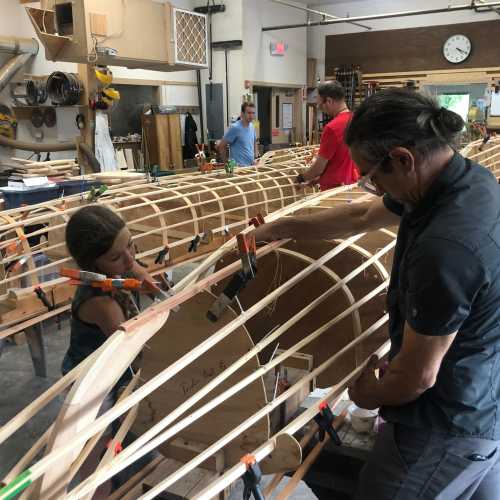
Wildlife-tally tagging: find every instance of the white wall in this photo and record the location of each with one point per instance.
(226, 26)
(260, 65)
(243, 20)
(316, 35)
(14, 21)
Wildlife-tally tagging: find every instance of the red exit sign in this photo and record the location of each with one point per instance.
(278, 48)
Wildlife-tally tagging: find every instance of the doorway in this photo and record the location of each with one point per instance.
(264, 115)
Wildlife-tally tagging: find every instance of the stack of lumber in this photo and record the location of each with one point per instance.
(55, 168)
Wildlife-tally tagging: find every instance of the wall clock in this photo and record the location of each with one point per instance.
(457, 49)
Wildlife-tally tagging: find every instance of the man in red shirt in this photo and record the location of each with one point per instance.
(333, 166)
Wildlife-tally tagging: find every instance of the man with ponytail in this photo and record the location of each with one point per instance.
(440, 394)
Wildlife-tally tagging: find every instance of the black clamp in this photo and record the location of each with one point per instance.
(248, 254)
(325, 419)
(163, 255)
(193, 246)
(43, 297)
(252, 478)
(300, 179)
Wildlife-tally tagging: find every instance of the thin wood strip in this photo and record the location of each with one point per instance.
(304, 441)
(33, 321)
(267, 447)
(92, 442)
(29, 456)
(140, 447)
(150, 315)
(120, 434)
(121, 493)
(310, 459)
(154, 311)
(107, 197)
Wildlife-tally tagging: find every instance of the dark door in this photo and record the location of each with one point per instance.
(215, 111)
(264, 114)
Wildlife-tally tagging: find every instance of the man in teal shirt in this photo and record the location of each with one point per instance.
(241, 138)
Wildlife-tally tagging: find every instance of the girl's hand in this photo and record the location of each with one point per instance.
(148, 282)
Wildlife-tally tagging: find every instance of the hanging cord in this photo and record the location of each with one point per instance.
(275, 283)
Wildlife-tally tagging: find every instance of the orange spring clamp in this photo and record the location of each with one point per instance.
(252, 478)
(248, 253)
(256, 221)
(116, 446)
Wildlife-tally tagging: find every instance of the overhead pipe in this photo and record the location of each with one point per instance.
(23, 49)
(11, 67)
(15, 45)
(318, 12)
(451, 8)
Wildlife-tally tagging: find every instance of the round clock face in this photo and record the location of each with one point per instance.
(457, 48)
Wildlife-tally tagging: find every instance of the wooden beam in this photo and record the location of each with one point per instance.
(238, 470)
(152, 83)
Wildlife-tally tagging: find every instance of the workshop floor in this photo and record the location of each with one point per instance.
(19, 387)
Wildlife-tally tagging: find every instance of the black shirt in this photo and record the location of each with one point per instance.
(446, 278)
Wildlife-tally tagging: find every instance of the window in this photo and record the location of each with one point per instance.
(459, 103)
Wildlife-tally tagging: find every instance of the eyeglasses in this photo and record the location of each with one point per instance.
(366, 183)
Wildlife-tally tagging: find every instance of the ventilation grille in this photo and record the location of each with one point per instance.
(190, 38)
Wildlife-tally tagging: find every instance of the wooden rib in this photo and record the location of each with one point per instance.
(145, 202)
(268, 447)
(356, 320)
(118, 350)
(151, 316)
(127, 455)
(311, 457)
(188, 404)
(238, 470)
(91, 443)
(117, 438)
(29, 456)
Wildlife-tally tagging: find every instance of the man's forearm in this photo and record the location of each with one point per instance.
(396, 388)
(316, 170)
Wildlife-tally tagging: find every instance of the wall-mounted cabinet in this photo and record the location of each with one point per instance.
(136, 34)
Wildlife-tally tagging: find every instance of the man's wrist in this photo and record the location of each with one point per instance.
(301, 179)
